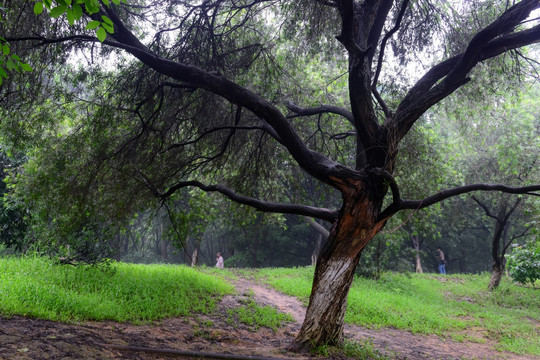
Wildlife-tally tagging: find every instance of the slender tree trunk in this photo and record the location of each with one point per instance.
(316, 249)
(418, 260)
(195, 255)
(334, 272)
(496, 275)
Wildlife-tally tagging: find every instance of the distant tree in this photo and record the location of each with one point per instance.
(202, 103)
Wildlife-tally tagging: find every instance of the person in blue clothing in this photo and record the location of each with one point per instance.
(440, 256)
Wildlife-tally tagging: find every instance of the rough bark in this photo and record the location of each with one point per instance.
(496, 275)
(335, 269)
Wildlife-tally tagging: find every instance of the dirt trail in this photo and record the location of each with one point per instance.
(24, 338)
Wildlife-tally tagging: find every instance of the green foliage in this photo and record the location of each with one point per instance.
(73, 10)
(37, 287)
(524, 262)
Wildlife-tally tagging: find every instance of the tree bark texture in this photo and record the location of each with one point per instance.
(335, 269)
(417, 260)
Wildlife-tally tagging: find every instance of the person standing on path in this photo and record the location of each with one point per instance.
(440, 256)
(219, 261)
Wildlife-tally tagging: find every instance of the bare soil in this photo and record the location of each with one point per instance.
(26, 338)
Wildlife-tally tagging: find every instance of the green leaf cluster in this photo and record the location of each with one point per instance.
(9, 61)
(74, 9)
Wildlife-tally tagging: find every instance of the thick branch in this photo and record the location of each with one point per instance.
(314, 163)
(319, 213)
(443, 195)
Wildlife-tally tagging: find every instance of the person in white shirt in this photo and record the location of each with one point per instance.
(219, 261)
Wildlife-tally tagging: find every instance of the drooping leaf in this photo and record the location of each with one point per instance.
(70, 16)
(38, 8)
(58, 11)
(94, 24)
(108, 27)
(6, 49)
(26, 67)
(10, 64)
(77, 11)
(101, 34)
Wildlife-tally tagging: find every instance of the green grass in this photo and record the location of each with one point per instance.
(255, 316)
(36, 287)
(453, 306)
(448, 306)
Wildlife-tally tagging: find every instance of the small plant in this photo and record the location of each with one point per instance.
(353, 350)
(524, 262)
(255, 316)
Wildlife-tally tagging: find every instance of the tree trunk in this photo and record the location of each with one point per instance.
(496, 275)
(418, 260)
(316, 249)
(195, 255)
(334, 273)
(164, 244)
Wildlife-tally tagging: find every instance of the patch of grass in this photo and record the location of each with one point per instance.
(255, 316)
(352, 350)
(39, 288)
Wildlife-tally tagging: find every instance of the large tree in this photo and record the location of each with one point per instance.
(212, 82)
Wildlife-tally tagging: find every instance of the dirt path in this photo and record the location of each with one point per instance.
(31, 339)
(396, 343)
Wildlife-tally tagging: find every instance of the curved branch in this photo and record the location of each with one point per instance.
(398, 205)
(323, 109)
(319, 213)
(523, 233)
(486, 210)
(318, 227)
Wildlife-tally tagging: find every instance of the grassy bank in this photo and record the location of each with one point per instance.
(38, 288)
(457, 306)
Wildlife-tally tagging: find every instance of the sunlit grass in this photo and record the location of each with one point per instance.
(431, 304)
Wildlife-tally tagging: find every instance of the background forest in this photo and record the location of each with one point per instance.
(76, 169)
(500, 142)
